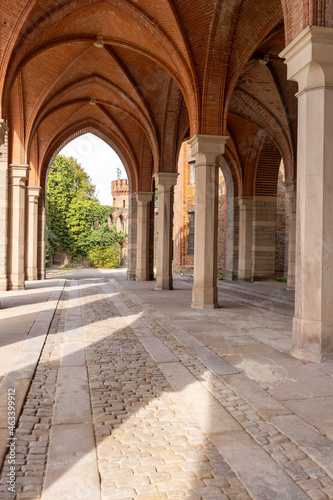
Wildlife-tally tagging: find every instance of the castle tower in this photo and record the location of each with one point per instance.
(120, 192)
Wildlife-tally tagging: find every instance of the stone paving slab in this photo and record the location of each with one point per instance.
(72, 466)
(72, 399)
(73, 354)
(260, 399)
(317, 446)
(158, 351)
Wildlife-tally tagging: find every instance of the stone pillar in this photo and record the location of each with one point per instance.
(291, 210)
(16, 230)
(245, 237)
(142, 248)
(41, 248)
(165, 182)
(3, 203)
(132, 232)
(31, 245)
(152, 239)
(309, 58)
(232, 239)
(206, 150)
(263, 238)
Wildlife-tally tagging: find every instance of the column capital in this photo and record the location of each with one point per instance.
(167, 179)
(144, 197)
(290, 186)
(245, 201)
(33, 193)
(18, 172)
(309, 58)
(3, 130)
(206, 149)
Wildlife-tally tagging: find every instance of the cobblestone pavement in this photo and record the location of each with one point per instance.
(148, 443)
(304, 471)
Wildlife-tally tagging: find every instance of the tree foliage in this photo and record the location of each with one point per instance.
(76, 221)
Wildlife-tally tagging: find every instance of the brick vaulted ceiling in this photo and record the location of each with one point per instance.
(167, 69)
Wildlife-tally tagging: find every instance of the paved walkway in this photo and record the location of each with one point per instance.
(123, 392)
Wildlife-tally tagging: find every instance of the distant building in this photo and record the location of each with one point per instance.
(119, 217)
(120, 193)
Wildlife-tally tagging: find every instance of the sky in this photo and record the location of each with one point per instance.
(99, 161)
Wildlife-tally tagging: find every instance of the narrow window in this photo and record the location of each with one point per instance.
(192, 174)
(191, 234)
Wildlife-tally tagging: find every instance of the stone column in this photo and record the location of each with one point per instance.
(142, 248)
(263, 238)
(32, 195)
(245, 237)
(291, 210)
(206, 150)
(309, 58)
(16, 225)
(165, 182)
(41, 248)
(3, 203)
(232, 239)
(132, 233)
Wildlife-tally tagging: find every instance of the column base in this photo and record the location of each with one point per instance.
(31, 274)
(204, 298)
(3, 284)
(230, 275)
(312, 340)
(290, 283)
(263, 276)
(16, 286)
(41, 275)
(244, 274)
(163, 283)
(306, 356)
(141, 277)
(131, 275)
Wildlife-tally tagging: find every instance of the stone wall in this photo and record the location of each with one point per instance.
(132, 230)
(222, 226)
(281, 242)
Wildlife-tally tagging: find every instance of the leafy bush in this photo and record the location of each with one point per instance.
(105, 256)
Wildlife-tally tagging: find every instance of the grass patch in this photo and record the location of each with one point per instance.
(282, 280)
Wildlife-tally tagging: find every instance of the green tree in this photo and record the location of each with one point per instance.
(77, 221)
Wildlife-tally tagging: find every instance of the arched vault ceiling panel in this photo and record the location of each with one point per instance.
(39, 73)
(110, 16)
(243, 105)
(196, 32)
(125, 25)
(257, 81)
(99, 62)
(255, 21)
(152, 82)
(91, 88)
